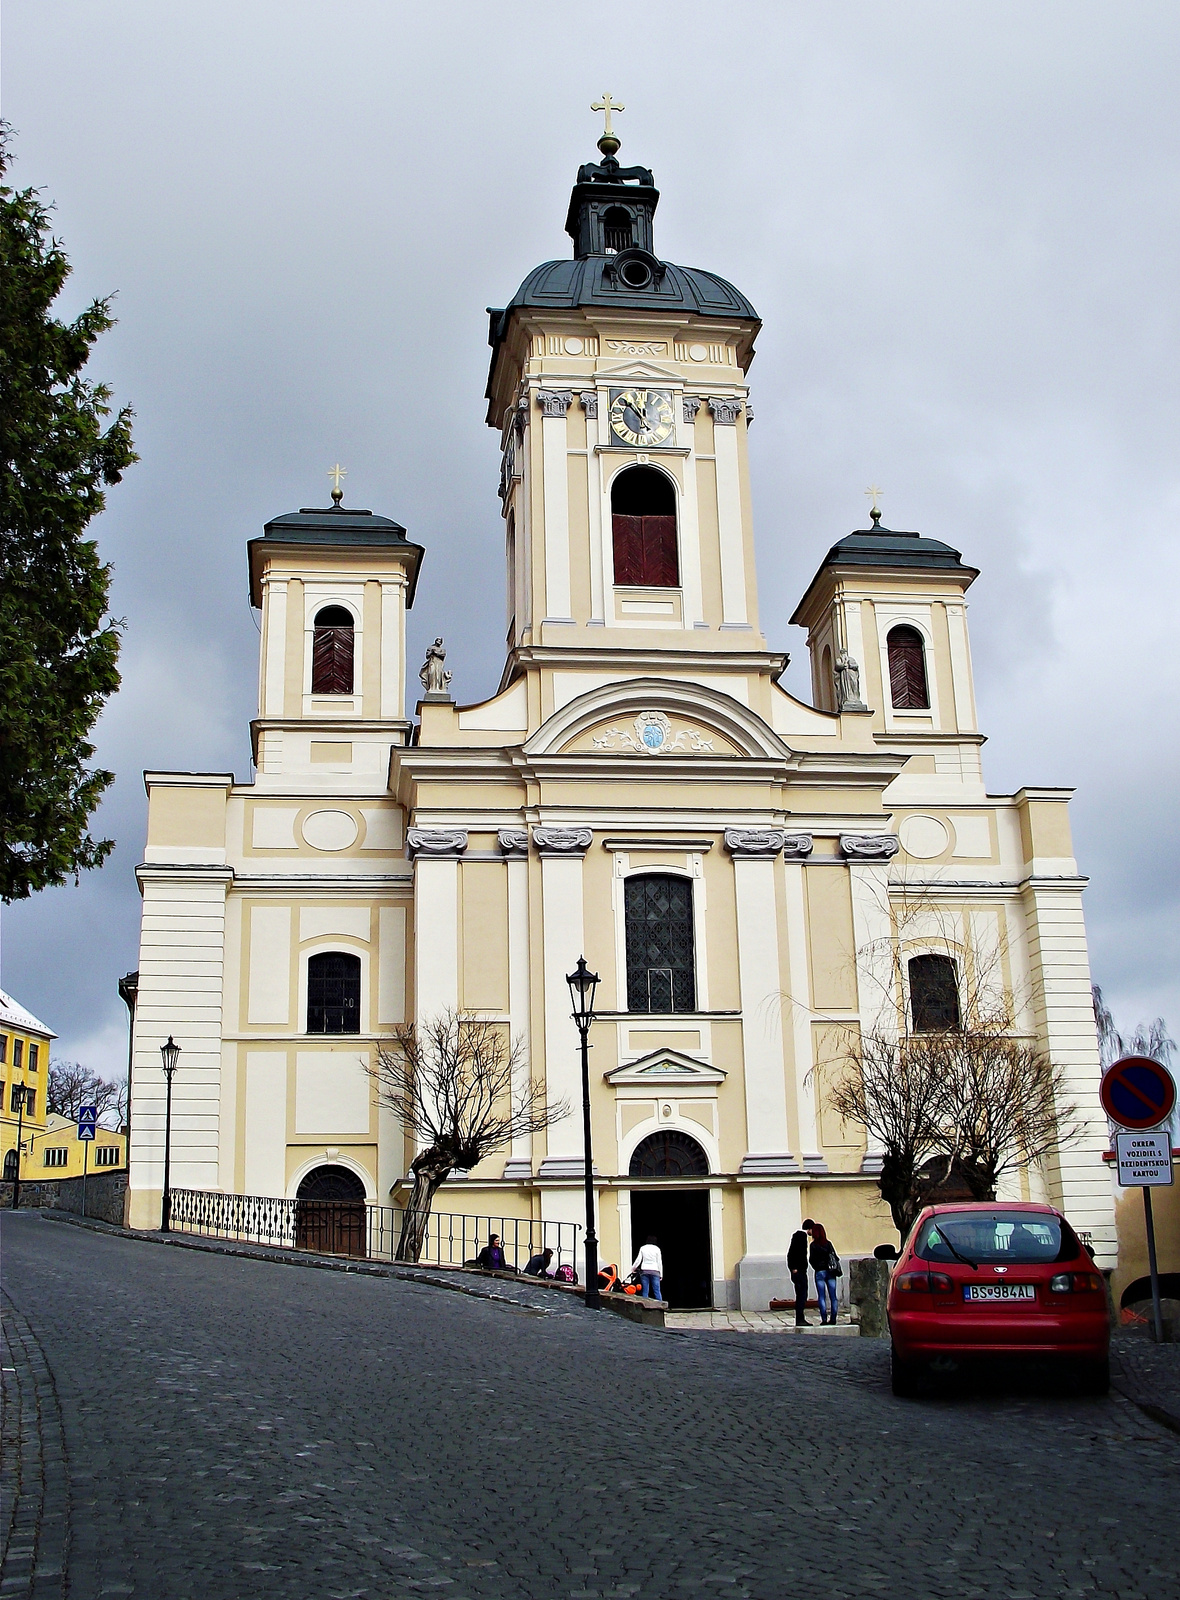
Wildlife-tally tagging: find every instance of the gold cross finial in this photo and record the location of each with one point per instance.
(607, 105)
(336, 473)
(874, 495)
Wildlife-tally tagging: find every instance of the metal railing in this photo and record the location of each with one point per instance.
(365, 1231)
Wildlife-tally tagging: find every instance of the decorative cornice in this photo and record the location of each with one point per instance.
(759, 842)
(554, 402)
(869, 846)
(448, 843)
(691, 404)
(563, 841)
(589, 399)
(725, 412)
(768, 1166)
(513, 841)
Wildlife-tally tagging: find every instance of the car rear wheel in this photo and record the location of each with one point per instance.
(903, 1375)
(1095, 1377)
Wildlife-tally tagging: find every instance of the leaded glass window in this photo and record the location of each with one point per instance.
(668, 1155)
(934, 994)
(334, 993)
(660, 968)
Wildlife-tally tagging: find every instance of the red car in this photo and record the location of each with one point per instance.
(991, 1280)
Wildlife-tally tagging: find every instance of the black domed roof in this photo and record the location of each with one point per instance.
(561, 285)
(890, 549)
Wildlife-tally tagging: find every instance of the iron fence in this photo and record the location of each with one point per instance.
(365, 1231)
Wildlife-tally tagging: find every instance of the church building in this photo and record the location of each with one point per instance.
(752, 877)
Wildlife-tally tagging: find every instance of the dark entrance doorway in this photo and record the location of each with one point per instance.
(679, 1219)
(331, 1216)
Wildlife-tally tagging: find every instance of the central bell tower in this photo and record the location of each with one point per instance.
(618, 386)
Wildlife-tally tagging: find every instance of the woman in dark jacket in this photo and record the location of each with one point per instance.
(823, 1263)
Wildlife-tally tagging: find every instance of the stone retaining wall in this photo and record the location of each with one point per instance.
(105, 1192)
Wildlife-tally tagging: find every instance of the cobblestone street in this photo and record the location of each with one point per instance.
(189, 1426)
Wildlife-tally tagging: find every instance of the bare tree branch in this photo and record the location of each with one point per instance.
(70, 1085)
(456, 1083)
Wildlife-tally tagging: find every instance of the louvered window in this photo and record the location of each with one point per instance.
(334, 993)
(934, 994)
(643, 507)
(659, 929)
(616, 229)
(332, 651)
(907, 670)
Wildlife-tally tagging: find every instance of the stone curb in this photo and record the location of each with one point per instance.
(649, 1313)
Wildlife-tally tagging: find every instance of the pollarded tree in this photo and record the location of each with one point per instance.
(58, 646)
(456, 1083)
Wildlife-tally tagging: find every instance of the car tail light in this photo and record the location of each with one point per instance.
(941, 1283)
(1075, 1282)
(913, 1282)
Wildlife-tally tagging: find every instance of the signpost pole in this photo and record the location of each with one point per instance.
(86, 1164)
(1156, 1311)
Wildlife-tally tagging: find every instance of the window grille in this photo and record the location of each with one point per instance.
(332, 652)
(934, 994)
(334, 993)
(659, 931)
(668, 1155)
(106, 1155)
(908, 689)
(57, 1156)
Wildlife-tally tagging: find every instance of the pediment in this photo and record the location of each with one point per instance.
(625, 370)
(665, 1066)
(657, 718)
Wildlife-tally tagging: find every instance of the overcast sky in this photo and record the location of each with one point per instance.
(959, 224)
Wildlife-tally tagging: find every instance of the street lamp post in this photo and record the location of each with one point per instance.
(20, 1094)
(582, 984)
(169, 1053)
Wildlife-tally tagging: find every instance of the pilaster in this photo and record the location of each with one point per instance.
(562, 851)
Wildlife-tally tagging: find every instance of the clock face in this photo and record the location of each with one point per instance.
(642, 417)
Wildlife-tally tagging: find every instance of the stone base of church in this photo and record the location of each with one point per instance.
(761, 1279)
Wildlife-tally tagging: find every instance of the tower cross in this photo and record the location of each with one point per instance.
(874, 495)
(607, 105)
(336, 473)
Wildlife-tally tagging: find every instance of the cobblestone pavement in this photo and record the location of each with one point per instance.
(238, 1428)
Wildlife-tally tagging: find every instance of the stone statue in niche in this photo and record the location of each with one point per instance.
(434, 675)
(848, 684)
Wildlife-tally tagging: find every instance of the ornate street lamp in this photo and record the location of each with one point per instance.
(169, 1054)
(582, 984)
(20, 1096)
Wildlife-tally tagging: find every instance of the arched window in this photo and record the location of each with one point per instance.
(334, 993)
(643, 518)
(907, 670)
(10, 1161)
(616, 229)
(658, 918)
(827, 687)
(669, 1155)
(331, 652)
(934, 994)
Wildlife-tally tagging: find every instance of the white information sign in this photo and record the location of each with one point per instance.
(1145, 1159)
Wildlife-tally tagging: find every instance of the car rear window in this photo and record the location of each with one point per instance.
(1016, 1236)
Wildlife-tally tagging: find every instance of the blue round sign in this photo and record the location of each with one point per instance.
(1137, 1092)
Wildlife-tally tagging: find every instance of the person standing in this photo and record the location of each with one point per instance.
(797, 1267)
(649, 1264)
(823, 1263)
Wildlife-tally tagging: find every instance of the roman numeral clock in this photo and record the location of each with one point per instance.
(642, 418)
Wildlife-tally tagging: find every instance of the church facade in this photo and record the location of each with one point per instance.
(751, 876)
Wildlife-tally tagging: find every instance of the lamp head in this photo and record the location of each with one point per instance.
(582, 983)
(169, 1053)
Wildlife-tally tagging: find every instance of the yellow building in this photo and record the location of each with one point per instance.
(57, 1152)
(640, 789)
(24, 1071)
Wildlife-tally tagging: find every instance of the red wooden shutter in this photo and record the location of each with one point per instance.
(907, 670)
(661, 568)
(628, 540)
(331, 661)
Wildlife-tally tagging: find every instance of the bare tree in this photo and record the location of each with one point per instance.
(963, 1103)
(70, 1086)
(1151, 1039)
(456, 1082)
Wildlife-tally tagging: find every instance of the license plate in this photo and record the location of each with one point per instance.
(999, 1291)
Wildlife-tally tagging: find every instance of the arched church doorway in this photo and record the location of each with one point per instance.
(331, 1217)
(678, 1218)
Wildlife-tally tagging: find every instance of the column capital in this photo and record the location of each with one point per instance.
(869, 846)
(762, 843)
(691, 404)
(570, 842)
(513, 841)
(554, 402)
(589, 399)
(725, 412)
(438, 843)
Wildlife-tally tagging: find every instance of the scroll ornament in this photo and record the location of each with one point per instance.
(869, 846)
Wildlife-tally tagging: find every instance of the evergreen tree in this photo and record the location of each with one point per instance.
(58, 647)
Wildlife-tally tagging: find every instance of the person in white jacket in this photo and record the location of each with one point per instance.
(649, 1263)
